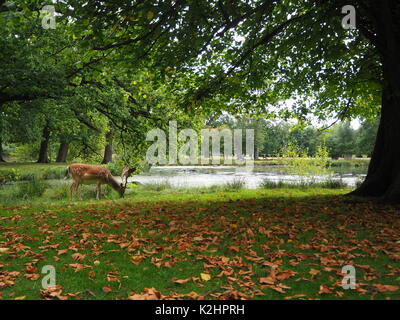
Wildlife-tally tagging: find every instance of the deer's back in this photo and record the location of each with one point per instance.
(89, 172)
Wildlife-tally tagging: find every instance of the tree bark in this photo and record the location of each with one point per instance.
(62, 152)
(44, 145)
(108, 150)
(383, 177)
(1, 151)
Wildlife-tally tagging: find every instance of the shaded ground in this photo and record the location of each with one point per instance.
(277, 244)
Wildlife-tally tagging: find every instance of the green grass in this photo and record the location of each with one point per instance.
(353, 163)
(11, 171)
(327, 184)
(175, 234)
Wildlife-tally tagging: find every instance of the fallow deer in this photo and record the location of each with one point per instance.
(90, 174)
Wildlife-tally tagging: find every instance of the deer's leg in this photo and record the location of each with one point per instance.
(77, 191)
(98, 191)
(72, 189)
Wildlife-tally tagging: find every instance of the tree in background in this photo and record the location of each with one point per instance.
(340, 140)
(365, 137)
(277, 137)
(305, 139)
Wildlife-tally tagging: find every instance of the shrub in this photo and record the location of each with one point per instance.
(28, 176)
(10, 175)
(236, 184)
(333, 184)
(157, 186)
(58, 191)
(31, 189)
(270, 184)
(54, 173)
(306, 168)
(328, 184)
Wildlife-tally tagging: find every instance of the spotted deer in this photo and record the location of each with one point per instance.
(90, 174)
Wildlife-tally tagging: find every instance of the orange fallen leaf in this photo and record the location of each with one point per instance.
(324, 289)
(314, 272)
(386, 287)
(181, 281)
(107, 289)
(137, 259)
(78, 256)
(295, 296)
(147, 294)
(267, 280)
(285, 274)
(62, 251)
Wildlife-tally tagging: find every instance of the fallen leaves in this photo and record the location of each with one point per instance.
(136, 259)
(62, 251)
(386, 287)
(106, 289)
(32, 276)
(112, 277)
(324, 289)
(7, 279)
(180, 281)
(79, 267)
(285, 275)
(53, 292)
(295, 296)
(227, 250)
(276, 276)
(278, 288)
(234, 248)
(147, 294)
(78, 256)
(267, 280)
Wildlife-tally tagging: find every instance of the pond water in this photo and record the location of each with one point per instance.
(205, 176)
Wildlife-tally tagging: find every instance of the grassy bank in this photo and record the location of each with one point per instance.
(253, 244)
(353, 163)
(31, 171)
(41, 191)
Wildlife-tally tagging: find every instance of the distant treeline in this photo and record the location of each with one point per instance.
(273, 137)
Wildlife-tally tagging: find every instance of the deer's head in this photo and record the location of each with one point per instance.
(126, 172)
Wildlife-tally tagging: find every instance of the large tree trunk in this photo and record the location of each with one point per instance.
(1, 150)
(44, 145)
(62, 152)
(108, 150)
(383, 178)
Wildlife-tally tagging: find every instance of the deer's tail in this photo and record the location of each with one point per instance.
(67, 172)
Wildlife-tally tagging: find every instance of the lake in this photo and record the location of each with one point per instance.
(205, 176)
